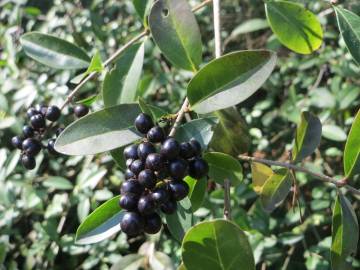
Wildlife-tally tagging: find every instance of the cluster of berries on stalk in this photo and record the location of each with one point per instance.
(154, 177)
(32, 134)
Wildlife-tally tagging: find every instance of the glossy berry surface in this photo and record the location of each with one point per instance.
(137, 166)
(160, 196)
(146, 205)
(129, 174)
(186, 150)
(147, 179)
(129, 201)
(81, 110)
(178, 168)
(131, 152)
(28, 162)
(170, 149)
(153, 224)
(169, 207)
(196, 147)
(31, 112)
(144, 149)
(156, 135)
(198, 168)
(31, 147)
(53, 113)
(50, 147)
(131, 186)
(16, 141)
(179, 190)
(42, 109)
(143, 123)
(154, 162)
(28, 131)
(132, 224)
(37, 121)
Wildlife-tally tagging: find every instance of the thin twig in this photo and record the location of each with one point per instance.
(227, 202)
(179, 117)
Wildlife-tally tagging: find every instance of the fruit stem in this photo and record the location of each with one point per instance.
(180, 116)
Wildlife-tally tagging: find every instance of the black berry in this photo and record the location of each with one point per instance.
(129, 162)
(130, 152)
(81, 110)
(132, 224)
(37, 121)
(156, 134)
(198, 168)
(51, 148)
(53, 113)
(143, 123)
(162, 174)
(153, 224)
(170, 149)
(16, 141)
(154, 162)
(160, 196)
(196, 147)
(146, 205)
(129, 174)
(169, 207)
(179, 190)
(147, 179)
(131, 186)
(178, 169)
(129, 201)
(28, 162)
(144, 149)
(31, 112)
(137, 166)
(28, 131)
(31, 147)
(42, 109)
(186, 150)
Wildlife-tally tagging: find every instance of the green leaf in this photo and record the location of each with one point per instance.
(260, 173)
(345, 234)
(197, 191)
(130, 262)
(176, 32)
(100, 131)
(118, 157)
(95, 64)
(58, 182)
(308, 136)
(217, 245)
(229, 80)
(88, 101)
(349, 25)
(334, 133)
(120, 84)
(223, 166)
(155, 112)
(181, 221)
(100, 224)
(352, 149)
(142, 8)
(296, 27)
(275, 189)
(249, 26)
(54, 52)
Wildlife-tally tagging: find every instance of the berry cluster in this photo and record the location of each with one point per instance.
(154, 177)
(30, 141)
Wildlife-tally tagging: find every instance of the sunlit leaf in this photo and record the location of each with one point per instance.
(260, 173)
(352, 149)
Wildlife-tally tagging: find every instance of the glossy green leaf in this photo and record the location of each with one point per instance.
(349, 25)
(223, 166)
(229, 80)
(58, 182)
(120, 84)
(95, 64)
(100, 131)
(260, 173)
(308, 136)
(88, 101)
(334, 133)
(181, 221)
(352, 149)
(176, 32)
(100, 224)
(54, 52)
(275, 189)
(142, 8)
(345, 234)
(197, 191)
(296, 27)
(217, 245)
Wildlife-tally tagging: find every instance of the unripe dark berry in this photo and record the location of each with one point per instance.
(160, 196)
(81, 110)
(129, 202)
(144, 149)
(198, 168)
(53, 113)
(132, 224)
(196, 147)
(31, 112)
(153, 224)
(156, 134)
(59, 131)
(137, 166)
(16, 141)
(147, 179)
(186, 150)
(178, 168)
(31, 147)
(28, 131)
(129, 174)
(28, 162)
(42, 109)
(143, 123)
(154, 162)
(170, 149)
(169, 207)
(51, 148)
(179, 190)
(37, 121)
(130, 152)
(131, 186)
(146, 205)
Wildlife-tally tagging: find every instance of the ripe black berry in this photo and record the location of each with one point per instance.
(178, 168)
(154, 162)
(31, 112)
(147, 179)
(146, 205)
(143, 123)
(80, 110)
(28, 131)
(129, 162)
(37, 121)
(144, 149)
(131, 186)
(51, 148)
(137, 166)
(186, 150)
(59, 131)
(132, 224)
(160, 196)
(170, 149)
(156, 134)
(129, 174)
(16, 141)
(179, 190)
(42, 109)
(196, 147)
(169, 207)
(129, 201)
(162, 174)
(152, 224)
(130, 152)
(53, 113)
(31, 147)
(198, 168)
(28, 162)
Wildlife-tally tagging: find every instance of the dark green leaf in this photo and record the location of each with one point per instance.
(229, 80)
(352, 149)
(151, 110)
(197, 191)
(118, 156)
(101, 131)
(175, 30)
(217, 245)
(54, 52)
(58, 182)
(296, 27)
(142, 8)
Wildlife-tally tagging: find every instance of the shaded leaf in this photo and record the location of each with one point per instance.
(58, 182)
(155, 112)
(352, 149)
(260, 173)
(142, 8)
(197, 191)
